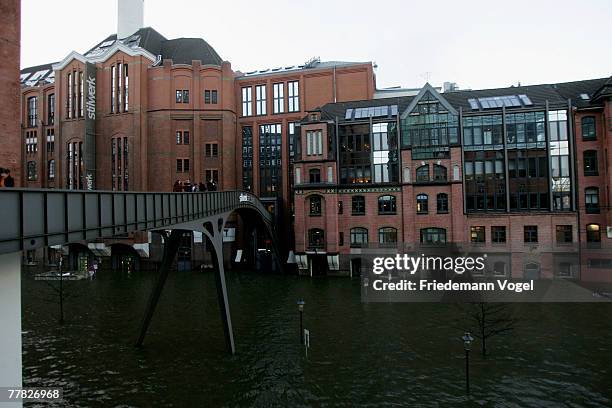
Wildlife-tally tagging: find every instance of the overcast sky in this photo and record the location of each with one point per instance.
(478, 44)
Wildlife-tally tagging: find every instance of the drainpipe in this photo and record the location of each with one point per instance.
(334, 86)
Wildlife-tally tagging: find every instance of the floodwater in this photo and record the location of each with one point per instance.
(360, 354)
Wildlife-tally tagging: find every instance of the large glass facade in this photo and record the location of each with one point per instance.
(429, 129)
(355, 154)
(559, 151)
(270, 155)
(384, 152)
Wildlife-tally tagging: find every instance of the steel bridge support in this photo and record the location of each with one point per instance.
(171, 245)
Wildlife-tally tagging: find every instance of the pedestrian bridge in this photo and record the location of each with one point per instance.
(34, 218)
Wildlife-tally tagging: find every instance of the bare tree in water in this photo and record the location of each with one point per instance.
(486, 320)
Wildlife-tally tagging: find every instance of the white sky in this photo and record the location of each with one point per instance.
(476, 43)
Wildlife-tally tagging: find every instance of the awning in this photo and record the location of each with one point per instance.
(99, 249)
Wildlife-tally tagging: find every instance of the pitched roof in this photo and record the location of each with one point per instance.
(575, 89)
(185, 50)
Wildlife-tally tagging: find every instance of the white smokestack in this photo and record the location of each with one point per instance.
(130, 17)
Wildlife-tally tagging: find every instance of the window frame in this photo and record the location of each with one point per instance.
(392, 204)
(355, 202)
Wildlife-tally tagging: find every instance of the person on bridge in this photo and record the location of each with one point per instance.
(177, 186)
(5, 178)
(202, 186)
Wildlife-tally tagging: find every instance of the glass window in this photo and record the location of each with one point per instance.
(433, 236)
(260, 100)
(270, 156)
(359, 237)
(315, 205)
(498, 234)
(387, 204)
(593, 233)
(588, 128)
(293, 93)
(590, 163)
(358, 205)
(279, 97)
(32, 172)
(179, 96)
(387, 236)
(592, 200)
(314, 175)
(316, 238)
(564, 234)
(422, 173)
(422, 204)
(442, 200)
(531, 233)
(477, 235)
(32, 111)
(247, 101)
(314, 142)
(440, 173)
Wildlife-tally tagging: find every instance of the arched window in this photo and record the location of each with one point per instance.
(591, 198)
(440, 173)
(588, 128)
(593, 233)
(442, 201)
(422, 204)
(359, 237)
(387, 204)
(590, 163)
(433, 236)
(358, 205)
(314, 175)
(315, 205)
(32, 173)
(316, 238)
(387, 236)
(51, 169)
(422, 173)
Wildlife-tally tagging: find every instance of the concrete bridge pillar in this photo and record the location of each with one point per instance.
(10, 321)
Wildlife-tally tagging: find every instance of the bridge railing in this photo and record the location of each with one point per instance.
(34, 218)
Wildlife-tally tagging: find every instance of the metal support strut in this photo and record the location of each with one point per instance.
(171, 245)
(216, 239)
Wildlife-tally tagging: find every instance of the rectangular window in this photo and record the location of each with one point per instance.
(498, 234)
(207, 97)
(212, 150)
(51, 109)
(185, 137)
(81, 95)
(69, 104)
(179, 137)
(113, 88)
(32, 111)
(270, 155)
(477, 235)
(212, 175)
(293, 93)
(214, 96)
(247, 101)
(247, 158)
(179, 165)
(179, 96)
(185, 96)
(126, 103)
(531, 234)
(119, 86)
(260, 100)
(279, 98)
(314, 143)
(564, 234)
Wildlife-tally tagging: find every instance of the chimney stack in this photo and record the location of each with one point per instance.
(130, 17)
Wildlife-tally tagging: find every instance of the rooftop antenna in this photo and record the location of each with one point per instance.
(426, 76)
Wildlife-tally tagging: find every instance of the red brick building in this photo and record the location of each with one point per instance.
(10, 153)
(519, 173)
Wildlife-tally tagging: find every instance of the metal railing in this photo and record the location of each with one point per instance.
(34, 218)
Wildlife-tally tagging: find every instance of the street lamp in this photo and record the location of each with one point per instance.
(301, 304)
(467, 345)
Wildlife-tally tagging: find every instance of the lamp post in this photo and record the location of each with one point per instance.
(301, 304)
(467, 345)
